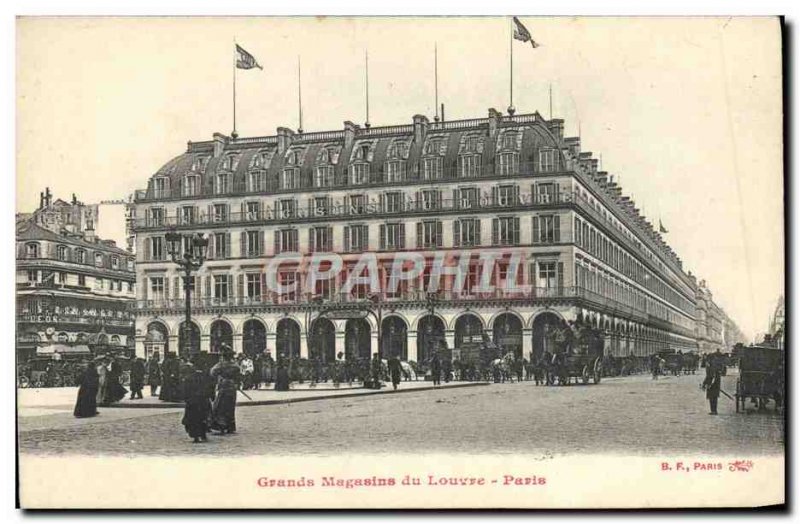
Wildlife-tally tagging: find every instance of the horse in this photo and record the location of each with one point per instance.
(405, 369)
(503, 368)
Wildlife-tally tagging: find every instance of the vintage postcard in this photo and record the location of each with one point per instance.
(411, 262)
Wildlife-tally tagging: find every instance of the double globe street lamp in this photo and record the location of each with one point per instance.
(188, 252)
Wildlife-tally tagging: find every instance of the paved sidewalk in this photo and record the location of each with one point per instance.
(47, 401)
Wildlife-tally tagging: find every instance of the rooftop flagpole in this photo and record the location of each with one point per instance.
(299, 99)
(233, 133)
(366, 82)
(436, 80)
(511, 67)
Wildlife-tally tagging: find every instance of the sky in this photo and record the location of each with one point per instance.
(686, 113)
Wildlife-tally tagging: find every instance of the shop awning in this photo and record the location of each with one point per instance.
(63, 348)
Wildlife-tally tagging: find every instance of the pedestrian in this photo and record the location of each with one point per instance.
(375, 372)
(153, 374)
(137, 378)
(115, 391)
(268, 369)
(247, 369)
(281, 374)
(395, 370)
(102, 373)
(228, 377)
(170, 379)
(86, 404)
(198, 405)
(447, 370)
(258, 362)
(654, 365)
(436, 369)
(711, 385)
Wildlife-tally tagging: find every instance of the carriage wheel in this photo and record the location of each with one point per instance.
(585, 375)
(598, 371)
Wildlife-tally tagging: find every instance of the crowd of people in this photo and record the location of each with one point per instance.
(100, 384)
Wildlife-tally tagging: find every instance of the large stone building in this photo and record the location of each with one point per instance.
(74, 290)
(508, 184)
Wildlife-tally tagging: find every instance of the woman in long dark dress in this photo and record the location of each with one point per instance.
(282, 375)
(228, 377)
(86, 405)
(198, 405)
(115, 391)
(170, 379)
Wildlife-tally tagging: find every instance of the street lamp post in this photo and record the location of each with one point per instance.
(189, 259)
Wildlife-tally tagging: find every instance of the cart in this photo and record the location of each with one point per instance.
(585, 363)
(761, 377)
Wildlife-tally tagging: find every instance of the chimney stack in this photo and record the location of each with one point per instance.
(421, 128)
(219, 144)
(350, 130)
(494, 119)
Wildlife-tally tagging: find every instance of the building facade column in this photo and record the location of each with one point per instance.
(373, 342)
(237, 343)
(271, 345)
(527, 343)
(450, 338)
(339, 344)
(412, 346)
(303, 345)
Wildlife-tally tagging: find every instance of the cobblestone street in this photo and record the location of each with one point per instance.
(631, 415)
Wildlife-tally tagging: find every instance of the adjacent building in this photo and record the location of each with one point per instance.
(508, 184)
(777, 324)
(73, 290)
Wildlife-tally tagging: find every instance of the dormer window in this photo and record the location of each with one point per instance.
(80, 256)
(62, 253)
(293, 158)
(362, 152)
(509, 140)
(257, 180)
(32, 250)
(98, 259)
(395, 166)
(433, 147)
(547, 159)
(323, 172)
(262, 160)
(290, 178)
(397, 150)
(470, 158)
(359, 174)
(161, 187)
(191, 185)
(229, 163)
(222, 183)
(199, 164)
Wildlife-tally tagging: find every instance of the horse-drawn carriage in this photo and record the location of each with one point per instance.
(579, 355)
(761, 377)
(47, 372)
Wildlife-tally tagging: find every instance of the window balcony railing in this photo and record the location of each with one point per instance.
(422, 206)
(413, 173)
(414, 296)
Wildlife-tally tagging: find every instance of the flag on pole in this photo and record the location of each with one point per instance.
(661, 228)
(245, 60)
(522, 34)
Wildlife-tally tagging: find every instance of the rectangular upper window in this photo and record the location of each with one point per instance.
(547, 159)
